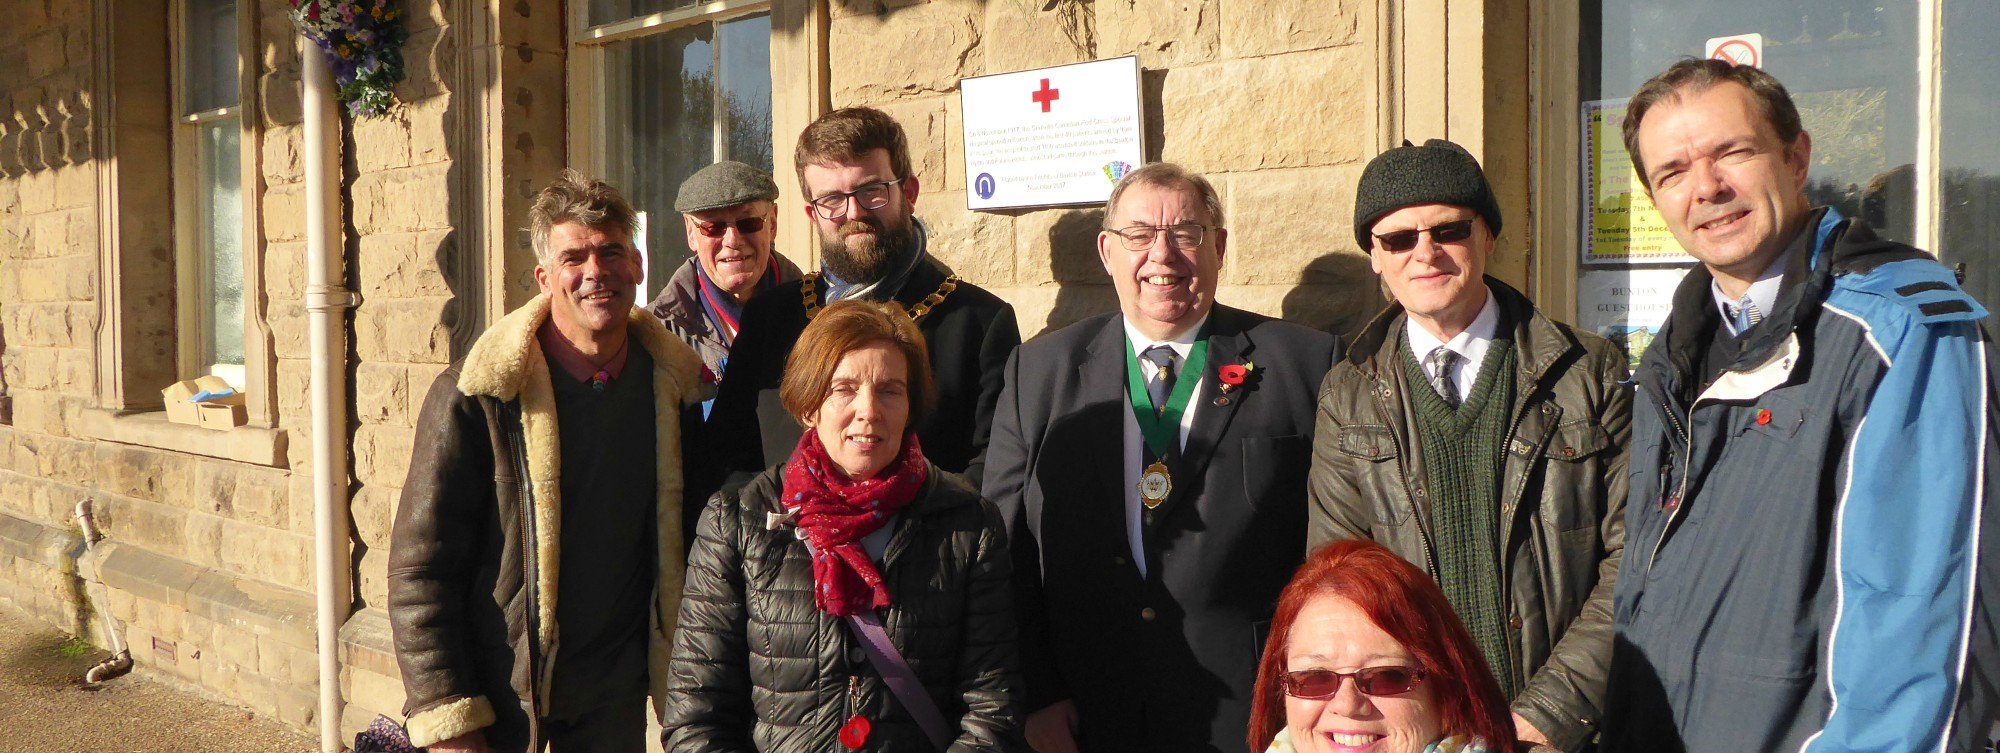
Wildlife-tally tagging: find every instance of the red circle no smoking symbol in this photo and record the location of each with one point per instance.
(1738, 52)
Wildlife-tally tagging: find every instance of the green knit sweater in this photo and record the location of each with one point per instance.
(1462, 452)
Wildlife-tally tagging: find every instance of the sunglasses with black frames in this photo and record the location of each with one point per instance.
(1404, 240)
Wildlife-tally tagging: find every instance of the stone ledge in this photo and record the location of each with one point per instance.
(260, 608)
(245, 444)
(29, 540)
(367, 644)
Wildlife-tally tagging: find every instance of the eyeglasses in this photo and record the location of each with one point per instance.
(1404, 240)
(1320, 684)
(873, 196)
(1142, 237)
(745, 226)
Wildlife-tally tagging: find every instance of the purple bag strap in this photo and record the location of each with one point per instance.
(897, 673)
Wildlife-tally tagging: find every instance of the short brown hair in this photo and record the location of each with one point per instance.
(1696, 75)
(575, 197)
(1167, 175)
(846, 134)
(842, 328)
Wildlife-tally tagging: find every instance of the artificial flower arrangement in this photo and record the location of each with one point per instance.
(363, 42)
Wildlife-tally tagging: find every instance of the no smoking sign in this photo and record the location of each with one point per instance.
(1741, 49)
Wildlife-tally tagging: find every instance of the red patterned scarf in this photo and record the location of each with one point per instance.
(835, 515)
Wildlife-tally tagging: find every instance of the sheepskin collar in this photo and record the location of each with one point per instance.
(498, 365)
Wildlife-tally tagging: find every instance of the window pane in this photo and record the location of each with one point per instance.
(208, 56)
(1850, 66)
(1969, 144)
(746, 89)
(659, 127)
(219, 234)
(611, 11)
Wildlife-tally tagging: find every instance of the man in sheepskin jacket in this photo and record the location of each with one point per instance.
(547, 463)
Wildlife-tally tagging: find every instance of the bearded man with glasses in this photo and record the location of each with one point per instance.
(854, 168)
(1481, 441)
(1151, 465)
(730, 213)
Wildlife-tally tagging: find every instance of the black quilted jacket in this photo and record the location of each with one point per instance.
(757, 667)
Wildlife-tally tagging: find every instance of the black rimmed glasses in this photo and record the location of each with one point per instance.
(1404, 240)
(744, 226)
(1142, 237)
(1321, 684)
(873, 196)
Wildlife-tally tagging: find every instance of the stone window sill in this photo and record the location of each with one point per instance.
(244, 444)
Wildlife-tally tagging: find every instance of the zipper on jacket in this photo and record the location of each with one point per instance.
(521, 482)
(1680, 492)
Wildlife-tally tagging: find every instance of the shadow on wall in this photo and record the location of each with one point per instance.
(1083, 290)
(1335, 293)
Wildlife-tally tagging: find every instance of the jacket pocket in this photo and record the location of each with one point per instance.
(1776, 419)
(1371, 446)
(1574, 486)
(1368, 442)
(1577, 440)
(1274, 469)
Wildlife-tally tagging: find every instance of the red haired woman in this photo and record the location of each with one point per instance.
(1365, 654)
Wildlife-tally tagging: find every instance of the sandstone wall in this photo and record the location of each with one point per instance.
(1274, 100)
(209, 559)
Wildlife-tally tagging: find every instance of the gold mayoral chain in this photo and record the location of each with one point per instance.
(808, 288)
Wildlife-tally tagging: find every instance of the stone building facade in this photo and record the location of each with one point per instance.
(210, 532)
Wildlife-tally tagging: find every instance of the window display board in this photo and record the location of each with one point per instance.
(1620, 224)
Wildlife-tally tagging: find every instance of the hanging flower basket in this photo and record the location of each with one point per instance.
(363, 42)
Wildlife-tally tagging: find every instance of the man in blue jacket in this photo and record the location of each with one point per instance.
(1811, 452)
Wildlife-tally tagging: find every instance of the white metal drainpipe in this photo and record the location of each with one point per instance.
(326, 304)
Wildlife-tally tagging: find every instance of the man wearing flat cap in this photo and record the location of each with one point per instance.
(730, 212)
(1481, 441)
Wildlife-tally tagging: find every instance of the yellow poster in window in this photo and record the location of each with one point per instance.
(1619, 221)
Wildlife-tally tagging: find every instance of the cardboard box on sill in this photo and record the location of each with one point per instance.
(217, 414)
(180, 411)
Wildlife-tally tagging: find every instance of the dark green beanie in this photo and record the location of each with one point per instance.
(1439, 172)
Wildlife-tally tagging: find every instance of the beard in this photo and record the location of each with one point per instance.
(862, 253)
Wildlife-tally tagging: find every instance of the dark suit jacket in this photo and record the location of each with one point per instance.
(969, 335)
(1163, 663)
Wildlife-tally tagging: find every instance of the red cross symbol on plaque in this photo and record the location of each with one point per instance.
(1046, 95)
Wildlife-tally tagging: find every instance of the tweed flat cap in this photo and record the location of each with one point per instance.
(1439, 172)
(724, 184)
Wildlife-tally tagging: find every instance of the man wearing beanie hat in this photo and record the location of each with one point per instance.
(1481, 440)
(730, 212)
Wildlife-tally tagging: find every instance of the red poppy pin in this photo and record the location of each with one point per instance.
(1233, 376)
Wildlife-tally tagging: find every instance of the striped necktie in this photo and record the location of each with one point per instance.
(1443, 364)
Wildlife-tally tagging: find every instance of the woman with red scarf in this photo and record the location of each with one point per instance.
(855, 597)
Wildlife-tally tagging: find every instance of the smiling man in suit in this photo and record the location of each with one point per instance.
(1152, 467)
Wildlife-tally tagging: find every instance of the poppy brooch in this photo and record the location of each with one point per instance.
(1233, 376)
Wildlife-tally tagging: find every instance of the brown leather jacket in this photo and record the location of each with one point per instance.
(473, 555)
(1562, 497)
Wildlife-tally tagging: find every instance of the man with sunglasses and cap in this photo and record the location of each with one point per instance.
(861, 195)
(730, 212)
(1481, 441)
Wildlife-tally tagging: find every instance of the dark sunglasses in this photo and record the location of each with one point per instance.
(1318, 684)
(1404, 240)
(745, 226)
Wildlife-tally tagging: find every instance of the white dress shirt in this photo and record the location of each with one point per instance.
(1763, 294)
(1135, 444)
(1471, 346)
